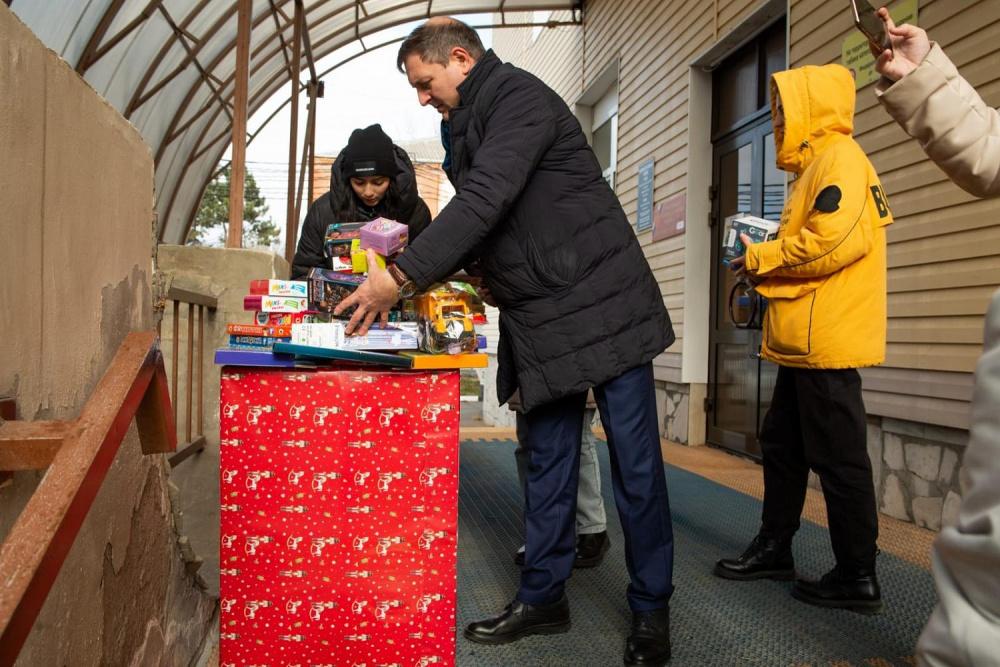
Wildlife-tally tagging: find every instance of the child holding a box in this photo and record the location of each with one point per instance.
(825, 281)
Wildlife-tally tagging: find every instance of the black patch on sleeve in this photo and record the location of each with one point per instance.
(828, 200)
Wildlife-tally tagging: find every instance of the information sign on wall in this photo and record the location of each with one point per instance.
(644, 211)
(668, 217)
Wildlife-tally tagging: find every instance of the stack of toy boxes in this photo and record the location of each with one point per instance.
(276, 305)
(346, 243)
(345, 248)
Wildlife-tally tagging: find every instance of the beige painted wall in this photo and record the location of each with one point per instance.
(76, 212)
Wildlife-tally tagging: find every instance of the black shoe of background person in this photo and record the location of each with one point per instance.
(590, 550)
(520, 620)
(519, 557)
(648, 644)
(765, 558)
(855, 591)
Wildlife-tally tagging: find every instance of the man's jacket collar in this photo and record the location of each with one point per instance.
(481, 71)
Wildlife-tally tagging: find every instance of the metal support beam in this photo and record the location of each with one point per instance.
(94, 50)
(291, 220)
(237, 173)
(281, 37)
(313, 98)
(306, 159)
(141, 95)
(182, 37)
(307, 46)
(93, 44)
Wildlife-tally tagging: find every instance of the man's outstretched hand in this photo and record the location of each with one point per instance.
(373, 298)
(910, 46)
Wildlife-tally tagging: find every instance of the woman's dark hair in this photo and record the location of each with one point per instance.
(345, 203)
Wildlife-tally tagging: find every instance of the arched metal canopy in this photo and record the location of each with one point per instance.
(169, 65)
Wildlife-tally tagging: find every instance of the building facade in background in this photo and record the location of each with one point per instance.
(674, 97)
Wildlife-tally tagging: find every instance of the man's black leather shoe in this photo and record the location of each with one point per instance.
(648, 644)
(858, 592)
(520, 620)
(765, 558)
(590, 549)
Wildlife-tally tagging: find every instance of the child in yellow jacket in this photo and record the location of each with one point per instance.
(825, 281)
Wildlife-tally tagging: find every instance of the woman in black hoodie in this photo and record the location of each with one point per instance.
(371, 178)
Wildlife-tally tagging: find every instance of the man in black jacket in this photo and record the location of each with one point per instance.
(579, 309)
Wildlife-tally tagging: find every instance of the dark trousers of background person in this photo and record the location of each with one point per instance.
(627, 405)
(817, 420)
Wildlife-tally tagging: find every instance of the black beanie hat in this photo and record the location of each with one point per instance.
(369, 152)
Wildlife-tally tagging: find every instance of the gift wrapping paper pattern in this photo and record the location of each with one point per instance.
(339, 516)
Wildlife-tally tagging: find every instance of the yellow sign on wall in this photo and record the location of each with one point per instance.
(855, 54)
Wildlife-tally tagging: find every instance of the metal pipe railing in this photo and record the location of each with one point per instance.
(194, 355)
(78, 454)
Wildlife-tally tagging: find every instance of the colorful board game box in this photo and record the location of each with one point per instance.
(353, 356)
(277, 331)
(255, 342)
(384, 236)
(279, 287)
(274, 304)
(288, 319)
(337, 242)
(328, 288)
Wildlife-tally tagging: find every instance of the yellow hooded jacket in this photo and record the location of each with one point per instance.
(826, 272)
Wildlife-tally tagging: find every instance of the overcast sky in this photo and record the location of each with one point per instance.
(366, 90)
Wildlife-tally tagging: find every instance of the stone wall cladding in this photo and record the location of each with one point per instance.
(916, 470)
(920, 479)
(675, 411)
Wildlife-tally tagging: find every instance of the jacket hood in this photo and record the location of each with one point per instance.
(818, 103)
(406, 179)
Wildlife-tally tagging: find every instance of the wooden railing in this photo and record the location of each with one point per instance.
(194, 389)
(77, 454)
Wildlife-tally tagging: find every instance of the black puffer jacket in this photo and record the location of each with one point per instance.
(414, 213)
(578, 302)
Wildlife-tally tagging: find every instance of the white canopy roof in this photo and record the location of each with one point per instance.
(168, 65)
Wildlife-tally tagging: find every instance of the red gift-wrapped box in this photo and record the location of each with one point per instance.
(339, 516)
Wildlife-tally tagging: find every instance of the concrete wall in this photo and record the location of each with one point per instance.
(76, 219)
(224, 273)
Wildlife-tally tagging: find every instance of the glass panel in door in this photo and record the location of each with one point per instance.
(732, 421)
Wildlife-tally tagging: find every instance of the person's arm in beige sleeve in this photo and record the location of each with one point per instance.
(923, 91)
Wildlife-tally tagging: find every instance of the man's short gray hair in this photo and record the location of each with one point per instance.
(434, 40)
